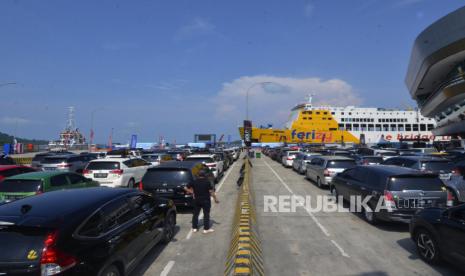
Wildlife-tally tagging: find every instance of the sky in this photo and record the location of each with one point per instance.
(177, 68)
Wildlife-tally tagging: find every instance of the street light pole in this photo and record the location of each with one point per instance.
(91, 138)
(247, 96)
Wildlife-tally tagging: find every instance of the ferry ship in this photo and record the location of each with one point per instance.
(350, 124)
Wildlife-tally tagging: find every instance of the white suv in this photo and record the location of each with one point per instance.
(117, 172)
(212, 161)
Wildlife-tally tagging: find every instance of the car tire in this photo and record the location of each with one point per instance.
(427, 247)
(318, 183)
(169, 228)
(131, 183)
(370, 217)
(111, 270)
(335, 194)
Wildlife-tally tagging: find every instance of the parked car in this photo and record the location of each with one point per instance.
(227, 162)
(177, 155)
(11, 170)
(299, 164)
(169, 180)
(288, 157)
(157, 158)
(368, 160)
(386, 154)
(212, 161)
(33, 183)
(95, 231)
(6, 160)
(117, 172)
(439, 233)
(438, 165)
(69, 163)
(38, 158)
(322, 169)
(404, 190)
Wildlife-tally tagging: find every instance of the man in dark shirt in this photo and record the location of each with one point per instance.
(202, 189)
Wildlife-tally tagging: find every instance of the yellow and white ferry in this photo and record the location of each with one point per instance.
(350, 124)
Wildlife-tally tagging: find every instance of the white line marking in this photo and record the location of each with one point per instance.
(189, 235)
(343, 253)
(167, 268)
(280, 179)
(225, 177)
(312, 216)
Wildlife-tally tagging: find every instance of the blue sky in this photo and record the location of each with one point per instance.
(175, 68)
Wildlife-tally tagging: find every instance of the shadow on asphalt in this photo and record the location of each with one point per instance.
(443, 268)
(152, 256)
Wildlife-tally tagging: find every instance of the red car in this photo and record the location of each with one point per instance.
(10, 170)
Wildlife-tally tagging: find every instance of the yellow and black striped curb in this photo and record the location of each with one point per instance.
(245, 255)
(23, 160)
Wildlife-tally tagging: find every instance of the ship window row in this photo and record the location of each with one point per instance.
(310, 118)
(393, 120)
(386, 127)
(367, 120)
(316, 112)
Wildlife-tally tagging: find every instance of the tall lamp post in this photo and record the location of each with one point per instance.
(247, 95)
(91, 137)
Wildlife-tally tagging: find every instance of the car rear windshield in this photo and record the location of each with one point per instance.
(151, 157)
(201, 159)
(103, 166)
(39, 157)
(54, 160)
(343, 164)
(20, 186)
(292, 153)
(373, 159)
(422, 183)
(437, 166)
(167, 176)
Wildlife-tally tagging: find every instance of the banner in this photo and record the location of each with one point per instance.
(133, 144)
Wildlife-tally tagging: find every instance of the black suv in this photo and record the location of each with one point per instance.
(438, 165)
(95, 231)
(169, 179)
(403, 190)
(439, 235)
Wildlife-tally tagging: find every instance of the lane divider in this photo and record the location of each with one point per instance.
(245, 256)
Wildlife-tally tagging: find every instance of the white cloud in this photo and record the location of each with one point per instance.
(13, 121)
(197, 27)
(309, 8)
(272, 102)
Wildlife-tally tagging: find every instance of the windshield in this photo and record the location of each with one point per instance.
(200, 159)
(437, 166)
(166, 176)
(20, 186)
(415, 183)
(151, 158)
(54, 160)
(103, 166)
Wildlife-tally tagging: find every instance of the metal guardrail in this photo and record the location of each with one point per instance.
(23, 160)
(245, 255)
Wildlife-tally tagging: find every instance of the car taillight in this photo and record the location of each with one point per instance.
(326, 172)
(211, 165)
(290, 158)
(450, 199)
(141, 186)
(86, 172)
(366, 162)
(455, 171)
(389, 199)
(118, 172)
(53, 260)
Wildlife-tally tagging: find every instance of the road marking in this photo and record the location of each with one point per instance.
(343, 253)
(280, 179)
(167, 268)
(312, 216)
(189, 235)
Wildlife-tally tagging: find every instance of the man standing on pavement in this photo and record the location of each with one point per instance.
(202, 189)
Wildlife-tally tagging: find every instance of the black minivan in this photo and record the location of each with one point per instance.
(169, 179)
(94, 231)
(403, 190)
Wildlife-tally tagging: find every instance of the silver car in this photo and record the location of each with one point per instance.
(301, 160)
(322, 169)
(69, 163)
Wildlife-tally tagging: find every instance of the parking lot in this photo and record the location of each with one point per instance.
(304, 243)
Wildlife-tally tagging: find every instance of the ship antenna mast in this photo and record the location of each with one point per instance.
(310, 98)
(70, 123)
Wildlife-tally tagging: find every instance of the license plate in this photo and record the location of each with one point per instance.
(50, 168)
(444, 176)
(164, 190)
(100, 175)
(414, 203)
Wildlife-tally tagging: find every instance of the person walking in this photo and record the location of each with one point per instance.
(202, 189)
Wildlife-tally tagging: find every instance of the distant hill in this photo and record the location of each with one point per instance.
(8, 139)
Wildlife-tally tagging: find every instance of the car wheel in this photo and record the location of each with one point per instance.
(335, 194)
(169, 228)
(318, 183)
(370, 216)
(110, 271)
(427, 247)
(131, 183)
